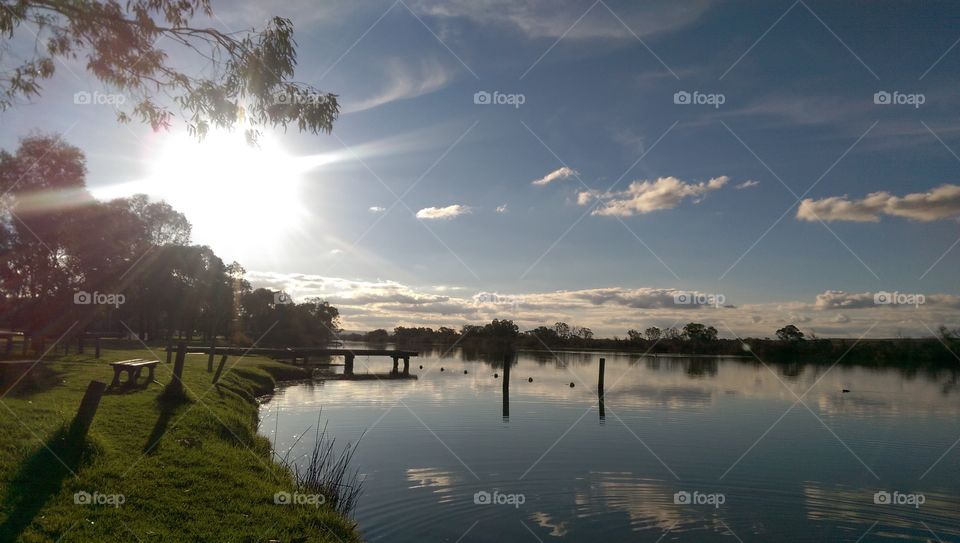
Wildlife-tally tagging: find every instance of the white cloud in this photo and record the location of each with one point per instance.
(502, 208)
(377, 209)
(749, 183)
(403, 81)
(939, 203)
(608, 311)
(447, 212)
(553, 18)
(556, 175)
(647, 196)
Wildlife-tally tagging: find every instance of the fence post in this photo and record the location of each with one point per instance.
(213, 350)
(9, 344)
(80, 345)
(169, 351)
(223, 362)
(96, 347)
(177, 383)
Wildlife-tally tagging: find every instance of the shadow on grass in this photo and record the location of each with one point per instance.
(167, 402)
(40, 378)
(40, 477)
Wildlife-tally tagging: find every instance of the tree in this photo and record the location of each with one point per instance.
(790, 333)
(562, 329)
(695, 331)
(634, 336)
(249, 74)
(652, 333)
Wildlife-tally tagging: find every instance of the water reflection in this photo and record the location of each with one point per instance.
(603, 460)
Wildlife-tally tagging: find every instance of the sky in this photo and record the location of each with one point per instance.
(610, 164)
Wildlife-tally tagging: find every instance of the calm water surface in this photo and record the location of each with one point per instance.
(722, 430)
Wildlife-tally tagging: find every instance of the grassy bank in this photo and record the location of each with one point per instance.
(184, 471)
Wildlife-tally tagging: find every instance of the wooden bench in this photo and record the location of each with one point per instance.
(133, 368)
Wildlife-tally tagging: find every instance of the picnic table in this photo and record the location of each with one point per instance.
(133, 368)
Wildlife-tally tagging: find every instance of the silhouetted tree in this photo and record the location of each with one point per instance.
(245, 73)
(790, 333)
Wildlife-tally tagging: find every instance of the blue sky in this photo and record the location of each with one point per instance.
(690, 197)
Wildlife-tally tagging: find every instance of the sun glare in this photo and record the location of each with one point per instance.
(235, 195)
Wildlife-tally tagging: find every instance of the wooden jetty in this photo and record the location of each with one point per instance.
(303, 354)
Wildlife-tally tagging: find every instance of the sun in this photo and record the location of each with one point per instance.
(238, 197)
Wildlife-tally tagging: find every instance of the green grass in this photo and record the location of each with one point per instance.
(192, 470)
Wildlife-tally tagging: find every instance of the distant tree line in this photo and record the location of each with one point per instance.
(71, 264)
(791, 344)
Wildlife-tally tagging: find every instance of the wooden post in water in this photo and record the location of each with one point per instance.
(223, 362)
(396, 365)
(603, 411)
(88, 408)
(406, 365)
(176, 385)
(506, 385)
(348, 364)
(96, 347)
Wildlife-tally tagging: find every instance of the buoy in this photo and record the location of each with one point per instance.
(571, 385)
(464, 372)
(846, 390)
(530, 380)
(441, 369)
(495, 376)
(421, 366)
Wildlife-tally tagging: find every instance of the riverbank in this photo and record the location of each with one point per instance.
(151, 470)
